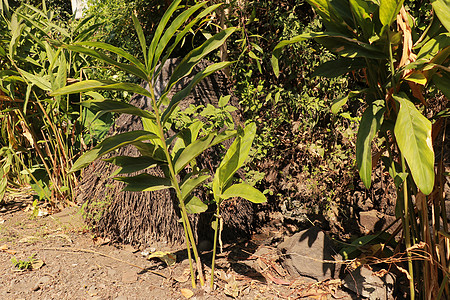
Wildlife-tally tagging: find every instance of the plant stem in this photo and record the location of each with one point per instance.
(186, 224)
(216, 230)
(406, 229)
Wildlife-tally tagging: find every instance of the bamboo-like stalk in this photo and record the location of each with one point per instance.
(186, 224)
(407, 230)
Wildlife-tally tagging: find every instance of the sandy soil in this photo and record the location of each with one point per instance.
(79, 266)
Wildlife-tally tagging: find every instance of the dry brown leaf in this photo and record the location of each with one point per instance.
(187, 293)
(5, 248)
(277, 280)
(37, 264)
(183, 277)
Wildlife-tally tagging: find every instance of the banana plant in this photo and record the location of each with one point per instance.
(399, 63)
(173, 153)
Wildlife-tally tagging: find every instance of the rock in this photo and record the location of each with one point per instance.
(374, 221)
(365, 284)
(305, 254)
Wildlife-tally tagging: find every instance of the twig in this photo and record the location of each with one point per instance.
(74, 250)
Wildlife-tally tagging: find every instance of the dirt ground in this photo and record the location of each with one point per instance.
(77, 265)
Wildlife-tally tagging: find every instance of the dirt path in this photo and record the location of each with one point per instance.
(78, 267)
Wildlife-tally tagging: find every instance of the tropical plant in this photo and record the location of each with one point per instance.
(173, 153)
(399, 65)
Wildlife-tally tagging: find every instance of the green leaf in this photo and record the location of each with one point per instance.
(96, 85)
(117, 106)
(338, 67)
(159, 31)
(339, 102)
(195, 206)
(172, 29)
(191, 183)
(245, 191)
(180, 36)
(192, 151)
(37, 80)
(110, 144)
(234, 159)
(336, 42)
(389, 10)
(110, 48)
(145, 183)
(195, 56)
(133, 69)
(141, 37)
(370, 124)
(413, 133)
(441, 8)
(187, 90)
(362, 12)
(442, 82)
(130, 164)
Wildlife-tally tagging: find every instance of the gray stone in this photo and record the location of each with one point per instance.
(307, 254)
(374, 221)
(364, 283)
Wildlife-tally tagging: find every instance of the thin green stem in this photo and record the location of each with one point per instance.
(216, 230)
(187, 226)
(407, 230)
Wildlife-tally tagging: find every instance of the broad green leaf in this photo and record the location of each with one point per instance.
(145, 183)
(195, 206)
(118, 107)
(187, 90)
(191, 183)
(224, 100)
(413, 134)
(362, 12)
(130, 164)
(37, 80)
(151, 150)
(442, 82)
(195, 56)
(389, 10)
(338, 103)
(192, 151)
(336, 42)
(245, 191)
(129, 68)
(338, 67)
(441, 9)
(434, 46)
(141, 37)
(97, 85)
(370, 124)
(234, 159)
(110, 144)
(350, 48)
